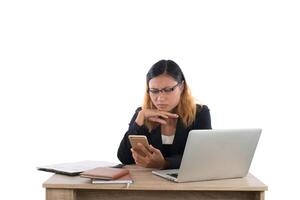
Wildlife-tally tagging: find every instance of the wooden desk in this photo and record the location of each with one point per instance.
(148, 186)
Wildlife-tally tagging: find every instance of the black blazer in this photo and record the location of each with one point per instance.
(172, 153)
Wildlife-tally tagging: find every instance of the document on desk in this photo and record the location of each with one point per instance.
(75, 168)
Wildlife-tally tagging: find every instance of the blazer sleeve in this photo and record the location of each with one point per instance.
(202, 121)
(174, 161)
(124, 153)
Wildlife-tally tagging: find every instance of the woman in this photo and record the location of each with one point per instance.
(168, 114)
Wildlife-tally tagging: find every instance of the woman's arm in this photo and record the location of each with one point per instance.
(202, 120)
(173, 162)
(124, 153)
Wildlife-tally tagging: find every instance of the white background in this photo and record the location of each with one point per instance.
(73, 72)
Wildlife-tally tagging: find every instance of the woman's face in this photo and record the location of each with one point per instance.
(165, 92)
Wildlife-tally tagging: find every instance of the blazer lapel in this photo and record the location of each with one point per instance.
(155, 136)
(180, 137)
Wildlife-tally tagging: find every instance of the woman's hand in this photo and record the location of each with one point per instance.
(154, 115)
(153, 158)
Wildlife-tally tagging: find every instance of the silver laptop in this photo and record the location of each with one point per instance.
(215, 154)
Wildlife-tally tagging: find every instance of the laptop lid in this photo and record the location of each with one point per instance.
(218, 154)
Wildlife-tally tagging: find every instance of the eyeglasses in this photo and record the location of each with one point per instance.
(167, 90)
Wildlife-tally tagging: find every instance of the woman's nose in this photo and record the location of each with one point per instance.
(161, 96)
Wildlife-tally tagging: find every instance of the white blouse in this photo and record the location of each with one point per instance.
(166, 139)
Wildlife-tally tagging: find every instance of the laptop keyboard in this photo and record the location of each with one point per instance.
(173, 174)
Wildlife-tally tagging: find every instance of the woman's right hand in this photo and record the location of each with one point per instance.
(154, 115)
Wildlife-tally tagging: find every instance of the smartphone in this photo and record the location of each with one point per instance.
(135, 139)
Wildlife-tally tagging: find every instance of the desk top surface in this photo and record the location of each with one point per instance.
(143, 179)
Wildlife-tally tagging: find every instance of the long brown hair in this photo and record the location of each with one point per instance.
(186, 107)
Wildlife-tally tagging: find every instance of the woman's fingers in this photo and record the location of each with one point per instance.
(138, 158)
(135, 156)
(134, 153)
(141, 160)
(158, 113)
(166, 115)
(157, 119)
(154, 150)
(144, 150)
(162, 115)
(173, 115)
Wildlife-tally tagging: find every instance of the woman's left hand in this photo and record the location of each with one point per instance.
(153, 158)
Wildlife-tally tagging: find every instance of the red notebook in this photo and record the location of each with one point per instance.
(105, 173)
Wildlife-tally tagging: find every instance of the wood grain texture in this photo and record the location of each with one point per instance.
(143, 179)
(149, 186)
(159, 195)
(60, 194)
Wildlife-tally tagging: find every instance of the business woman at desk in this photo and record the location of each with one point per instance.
(168, 114)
